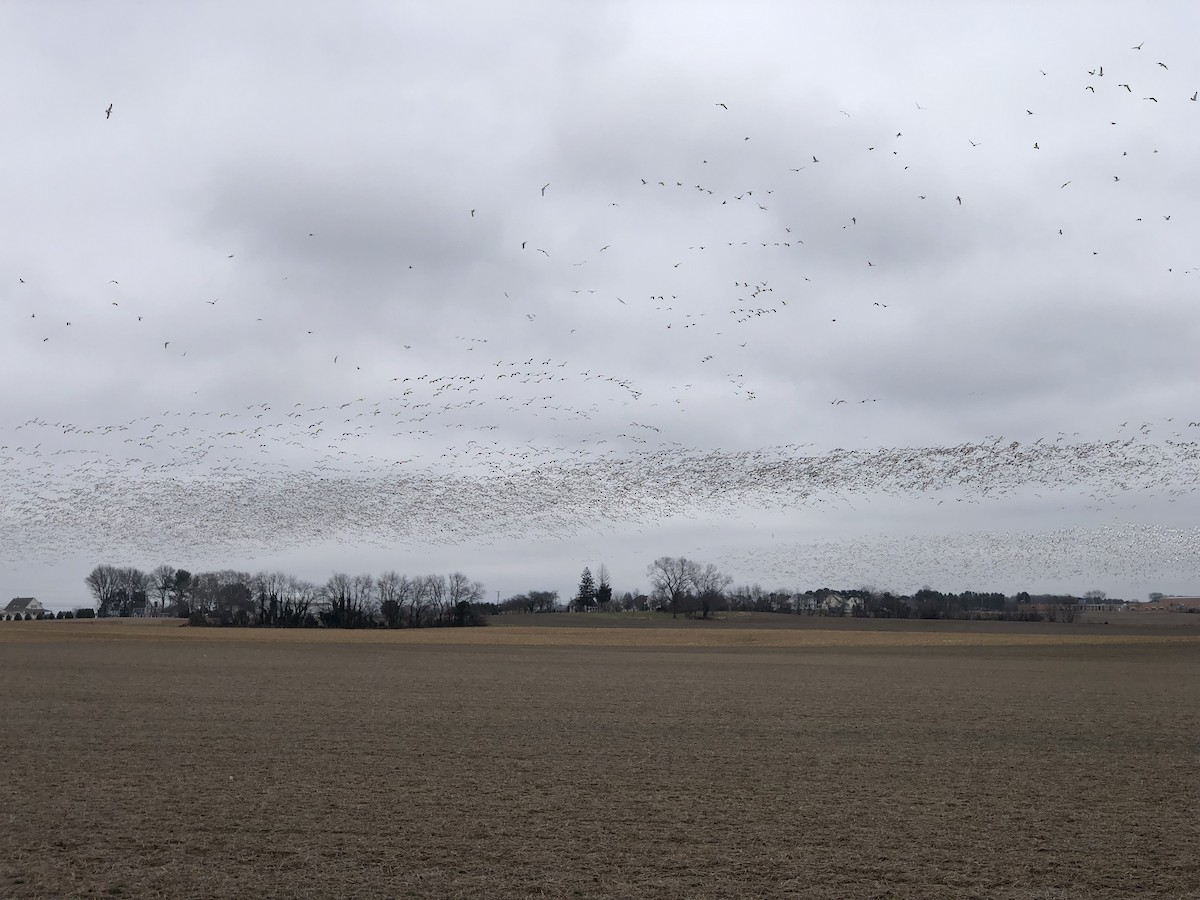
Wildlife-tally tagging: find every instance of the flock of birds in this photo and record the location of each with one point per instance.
(385, 454)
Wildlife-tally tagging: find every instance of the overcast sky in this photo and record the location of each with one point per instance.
(827, 294)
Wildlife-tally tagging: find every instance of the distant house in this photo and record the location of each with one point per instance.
(23, 606)
(826, 604)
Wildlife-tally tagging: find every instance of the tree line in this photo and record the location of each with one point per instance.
(696, 590)
(678, 585)
(280, 600)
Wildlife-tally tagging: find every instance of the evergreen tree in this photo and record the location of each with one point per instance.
(586, 597)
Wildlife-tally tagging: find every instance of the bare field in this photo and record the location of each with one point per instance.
(146, 759)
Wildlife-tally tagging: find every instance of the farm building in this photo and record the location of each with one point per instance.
(23, 606)
(1172, 604)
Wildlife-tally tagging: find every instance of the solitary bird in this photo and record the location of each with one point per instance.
(544, 186)
(108, 112)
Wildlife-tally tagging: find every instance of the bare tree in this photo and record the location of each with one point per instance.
(366, 600)
(389, 589)
(269, 588)
(435, 595)
(461, 596)
(297, 599)
(459, 589)
(604, 591)
(348, 600)
(226, 595)
(419, 598)
(710, 587)
(671, 578)
(181, 593)
(160, 581)
(543, 601)
(104, 581)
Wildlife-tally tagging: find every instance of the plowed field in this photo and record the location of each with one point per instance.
(690, 761)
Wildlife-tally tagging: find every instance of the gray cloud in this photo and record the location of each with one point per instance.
(345, 310)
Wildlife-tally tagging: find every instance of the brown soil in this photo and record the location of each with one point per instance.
(149, 760)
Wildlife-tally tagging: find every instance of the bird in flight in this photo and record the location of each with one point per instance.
(544, 186)
(1138, 47)
(108, 112)
(1195, 94)
(723, 106)
(1164, 65)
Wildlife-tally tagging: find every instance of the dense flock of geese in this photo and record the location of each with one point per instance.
(407, 456)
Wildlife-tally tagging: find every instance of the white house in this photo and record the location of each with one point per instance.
(23, 606)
